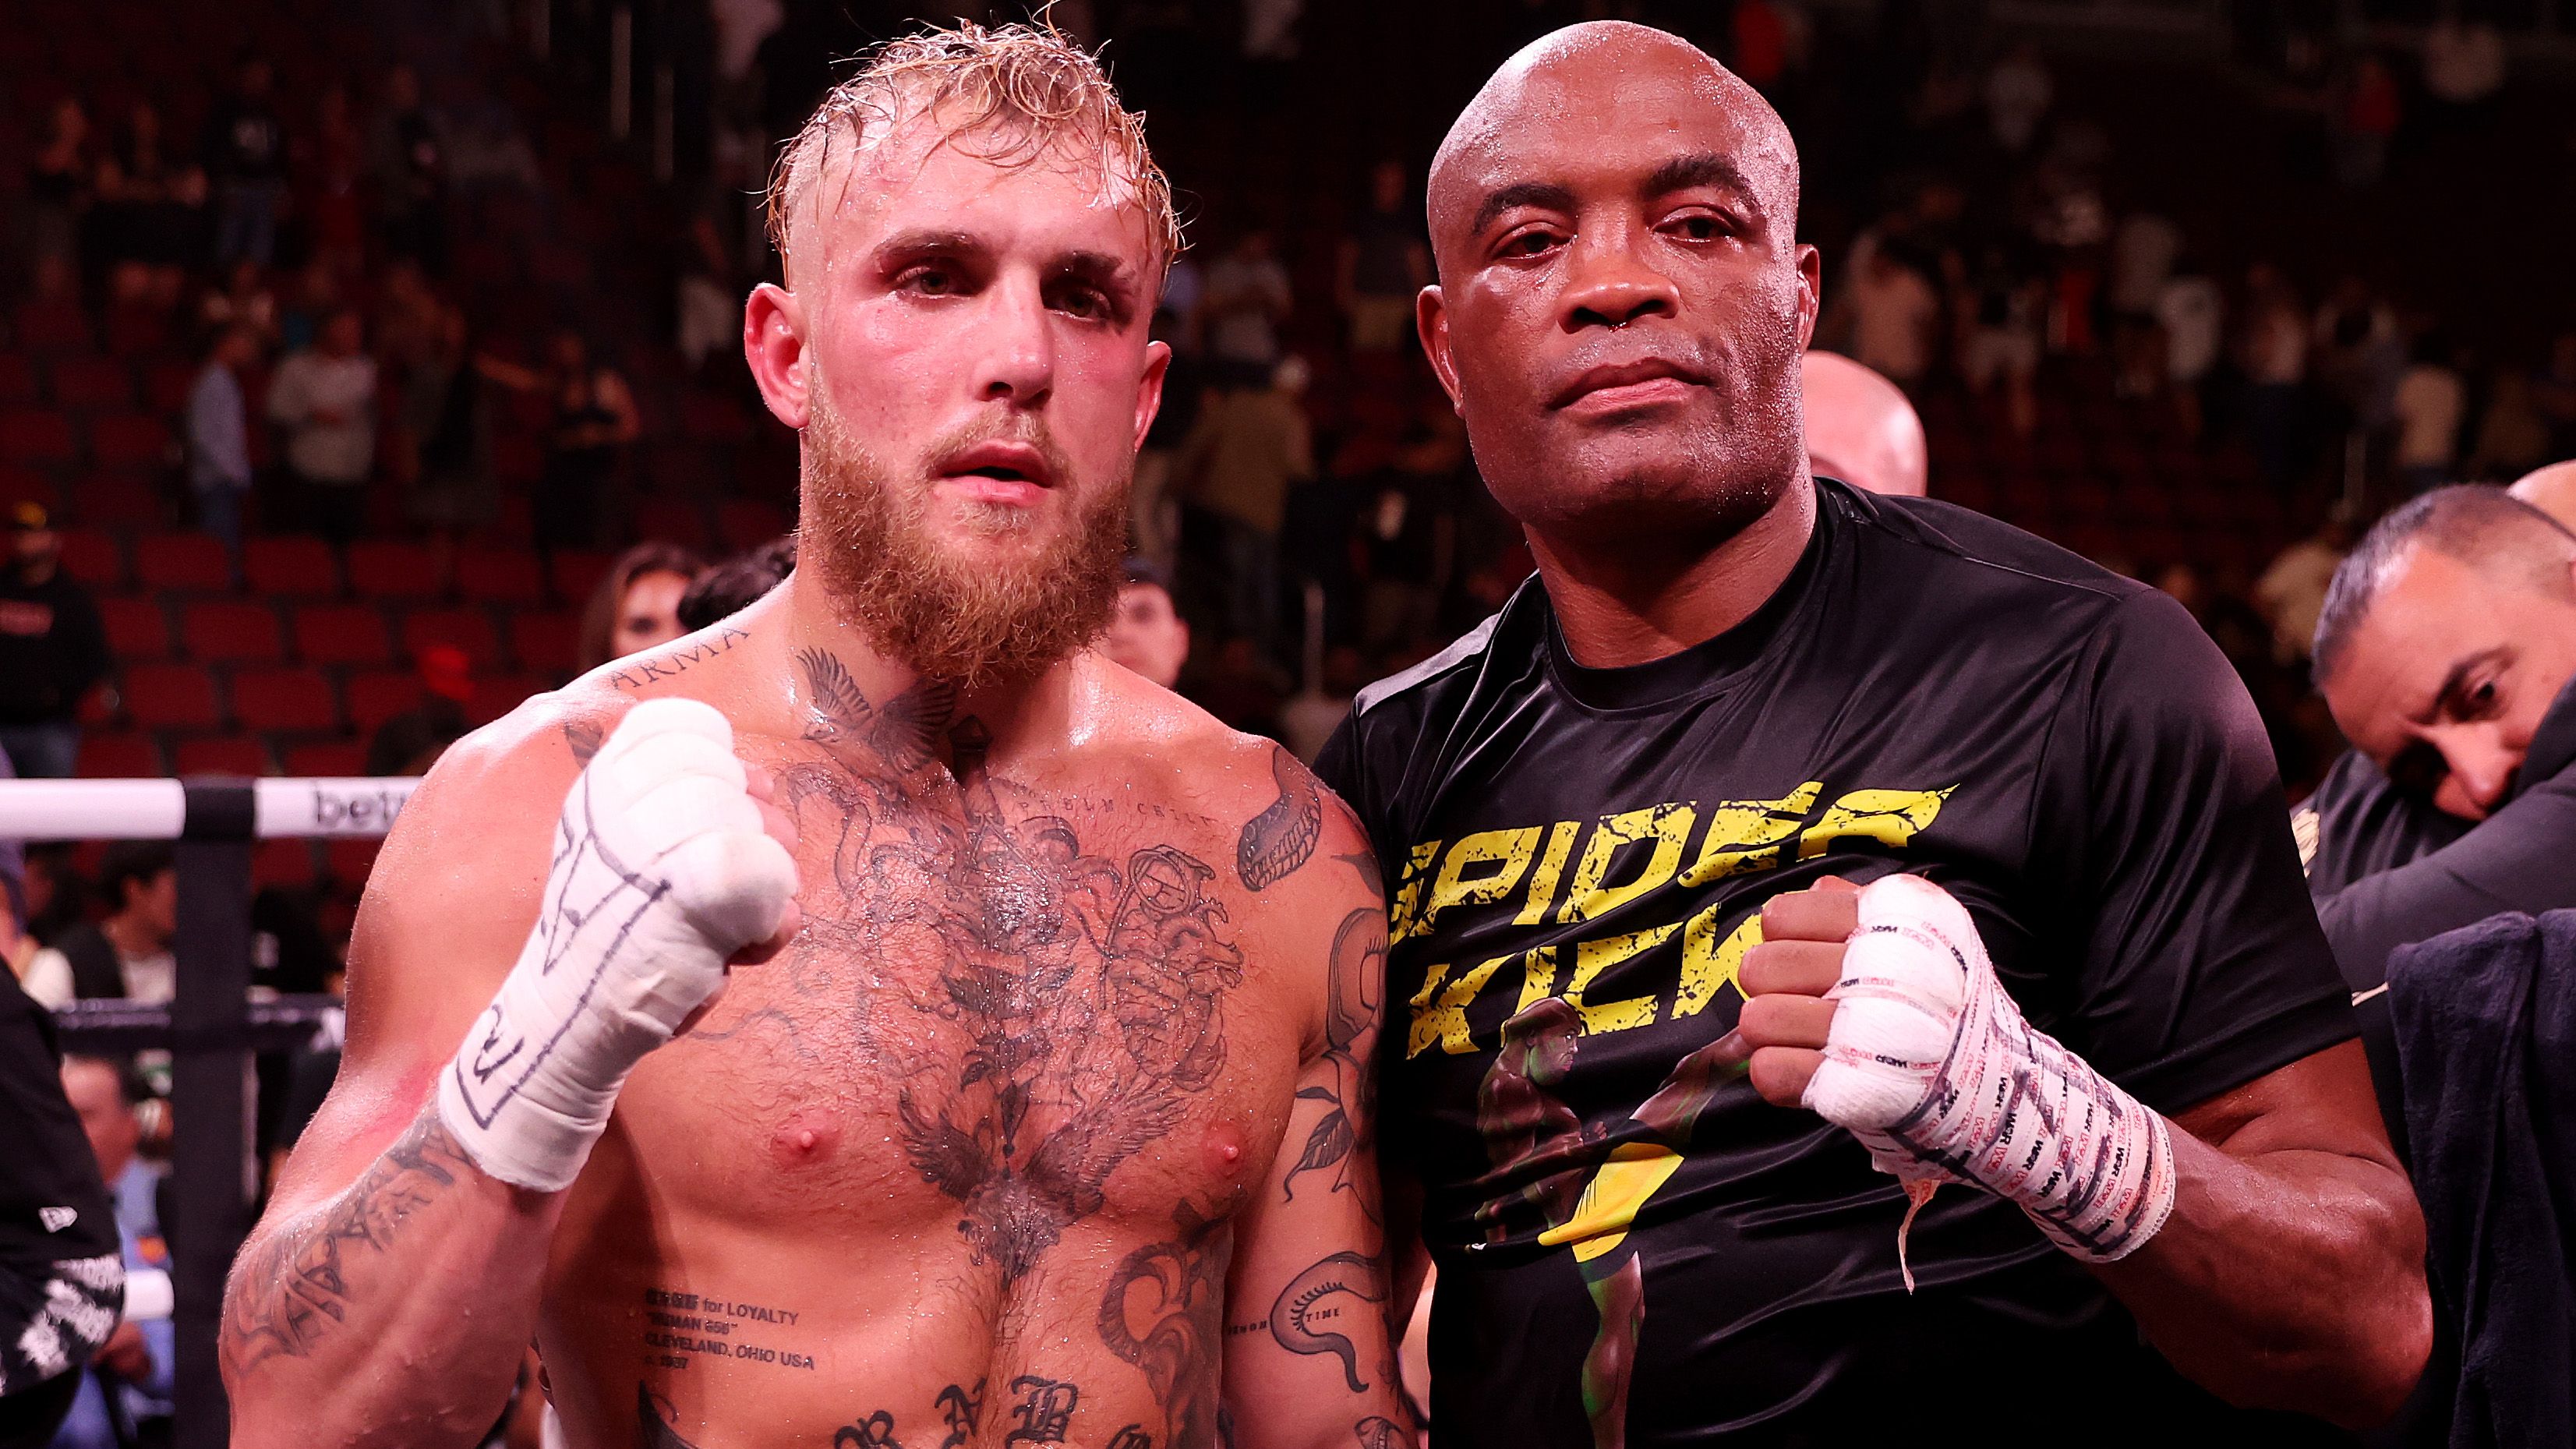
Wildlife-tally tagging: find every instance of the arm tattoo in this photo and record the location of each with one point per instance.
(1298, 1318)
(1161, 1313)
(1282, 837)
(642, 670)
(1355, 976)
(292, 1290)
(585, 736)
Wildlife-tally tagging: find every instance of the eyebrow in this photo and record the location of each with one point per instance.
(923, 242)
(1701, 168)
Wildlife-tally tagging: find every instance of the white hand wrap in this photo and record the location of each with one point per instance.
(661, 872)
(1930, 1064)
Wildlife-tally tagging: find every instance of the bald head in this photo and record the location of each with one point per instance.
(1622, 298)
(1861, 429)
(1579, 74)
(2552, 490)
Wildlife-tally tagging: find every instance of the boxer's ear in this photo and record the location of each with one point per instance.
(773, 342)
(1431, 319)
(1811, 292)
(1149, 388)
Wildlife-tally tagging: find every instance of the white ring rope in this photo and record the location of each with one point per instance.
(284, 809)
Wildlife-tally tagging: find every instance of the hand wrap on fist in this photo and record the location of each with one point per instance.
(662, 871)
(1930, 1064)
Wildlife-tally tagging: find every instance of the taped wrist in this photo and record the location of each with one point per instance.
(1930, 1064)
(662, 870)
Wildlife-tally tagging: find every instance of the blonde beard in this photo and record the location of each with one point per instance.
(963, 620)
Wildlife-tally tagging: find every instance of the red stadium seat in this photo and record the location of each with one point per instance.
(290, 568)
(130, 440)
(232, 632)
(576, 572)
(469, 629)
(166, 385)
(133, 331)
(672, 520)
(224, 755)
(293, 700)
(95, 558)
(17, 379)
(138, 629)
(287, 864)
(25, 485)
(181, 561)
(121, 499)
(386, 570)
(91, 384)
(29, 435)
(326, 759)
(342, 634)
(499, 576)
(379, 695)
(53, 327)
(347, 861)
(545, 641)
(121, 756)
(170, 696)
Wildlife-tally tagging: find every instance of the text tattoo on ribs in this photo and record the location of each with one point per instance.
(1074, 1002)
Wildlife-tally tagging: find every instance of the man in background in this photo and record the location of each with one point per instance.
(1861, 429)
(52, 649)
(324, 396)
(219, 438)
(128, 953)
(1146, 633)
(127, 1387)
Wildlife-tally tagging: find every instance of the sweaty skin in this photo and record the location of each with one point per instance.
(983, 1155)
(1621, 309)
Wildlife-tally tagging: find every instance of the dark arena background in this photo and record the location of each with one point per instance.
(366, 369)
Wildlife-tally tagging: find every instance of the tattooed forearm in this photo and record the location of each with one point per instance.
(1282, 837)
(292, 1290)
(642, 670)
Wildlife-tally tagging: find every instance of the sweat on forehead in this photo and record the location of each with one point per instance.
(1579, 77)
(1015, 97)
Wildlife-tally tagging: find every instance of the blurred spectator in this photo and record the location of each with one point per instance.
(2000, 336)
(2552, 490)
(127, 952)
(2512, 437)
(325, 398)
(52, 649)
(638, 604)
(219, 438)
(30, 960)
(2193, 315)
(310, 303)
(148, 222)
(57, 194)
(2463, 60)
(246, 156)
(2144, 248)
(1894, 311)
(410, 742)
(1146, 634)
(1384, 263)
(2019, 92)
(709, 306)
(1766, 43)
(2292, 592)
(1250, 445)
(736, 584)
(1307, 720)
(61, 1280)
(449, 420)
(1860, 428)
(1409, 535)
(2356, 353)
(2555, 393)
(1247, 298)
(2366, 111)
(408, 165)
(2432, 399)
(2274, 346)
(593, 421)
(125, 1395)
(1241, 688)
(244, 300)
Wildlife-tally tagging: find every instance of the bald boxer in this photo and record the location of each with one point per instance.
(2074, 1143)
(874, 1020)
(1860, 428)
(2552, 490)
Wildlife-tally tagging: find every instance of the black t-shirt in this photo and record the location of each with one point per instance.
(1930, 691)
(61, 1282)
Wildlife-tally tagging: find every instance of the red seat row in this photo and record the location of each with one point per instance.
(239, 631)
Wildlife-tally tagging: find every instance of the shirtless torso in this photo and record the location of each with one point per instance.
(1047, 1127)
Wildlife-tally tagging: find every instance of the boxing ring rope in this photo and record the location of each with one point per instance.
(212, 1028)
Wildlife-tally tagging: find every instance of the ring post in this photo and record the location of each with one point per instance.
(211, 1155)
